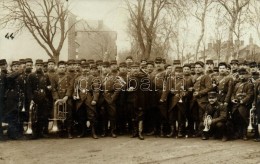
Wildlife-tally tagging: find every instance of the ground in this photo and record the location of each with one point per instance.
(128, 150)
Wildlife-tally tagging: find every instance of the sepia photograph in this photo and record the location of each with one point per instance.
(129, 81)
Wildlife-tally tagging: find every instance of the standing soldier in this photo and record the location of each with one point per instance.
(62, 89)
(39, 86)
(86, 92)
(202, 85)
(209, 68)
(192, 69)
(136, 100)
(111, 86)
(256, 105)
(242, 98)
(3, 86)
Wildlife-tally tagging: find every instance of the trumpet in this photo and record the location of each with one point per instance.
(252, 120)
(59, 114)
(32, 118)
(207, 122)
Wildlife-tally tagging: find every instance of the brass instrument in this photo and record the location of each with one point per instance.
(207, 119)
(59, 114)
(252, 120)
(76, 88)
(32, 118)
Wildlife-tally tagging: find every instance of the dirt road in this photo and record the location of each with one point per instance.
(127, 150)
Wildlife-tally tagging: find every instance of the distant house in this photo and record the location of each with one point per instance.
(91, 39)
(217, 51)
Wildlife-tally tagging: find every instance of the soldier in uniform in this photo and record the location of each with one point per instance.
(111, 86)
(39, 86)
(202, 85)
(136, 98)
(242, 98)
(256, 105)
(62, 88)
(234, 70)
(99, 66)
(13, 102)
(217, 125)
(87, 93)
(209, 68)
(192, 68)
(129, 60)
(3, 87)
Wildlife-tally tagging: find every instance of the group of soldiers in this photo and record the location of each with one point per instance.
(110, 98)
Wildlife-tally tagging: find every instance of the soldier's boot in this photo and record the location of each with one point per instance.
(104, 129)
(113, 129)
(245, 134)
(93, 132)
(134, 132)
(180, 132)
(82, 131)
(257, 139)
(70, 134)
(171, 132)
(204, 136)
(152, 132)
(161, 131)
(140, 130)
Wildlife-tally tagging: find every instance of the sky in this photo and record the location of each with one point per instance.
(114, 15)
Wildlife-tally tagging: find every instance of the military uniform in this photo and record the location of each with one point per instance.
(3, 87)
(242, 98)
(87, 88)
(39, 86)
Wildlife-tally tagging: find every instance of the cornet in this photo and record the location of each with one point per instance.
(252, 120)
(59, 114)
(206, 123)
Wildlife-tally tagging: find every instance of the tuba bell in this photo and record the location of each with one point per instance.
(206, 123)
(59, 114)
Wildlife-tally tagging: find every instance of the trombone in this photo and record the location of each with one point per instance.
(59, 114)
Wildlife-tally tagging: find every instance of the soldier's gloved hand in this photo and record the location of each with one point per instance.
(131, 89)
(234, 101)
(190, 89)
(225, 104)
(93, 102)
(161, 101)
(75, 97)
(65, 98)
(195, 94)
(241, 102)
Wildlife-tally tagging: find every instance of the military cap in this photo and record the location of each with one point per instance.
(215, 69)
(28, 60)
(158, 60)
(187, 65)
(93, 66)
(91, 61)
(229, 66)
(22, 61)
(166, 66)
(113, 62)
(209, 61)
(135, 64)
(106, 64)
(212, 94)
(51, 61)
(45, 64)
(15, 63)
(84, 65)
(242, 71)
(143, 65)
(77, 61)
(222, 64)
(83, 60)
(252, 64)
(99, 62)
(143, 60)
(178, 69)
(150, 62)
(199, 63)
(234, 61)
(122, 64)
(192, 65)
(39, 61)
(176, 62)
(2, 62)
(129, 57)
(61, 63)
(71, 61)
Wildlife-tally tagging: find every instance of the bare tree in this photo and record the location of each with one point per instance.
(254, 17)
(45, 20)
(202, 7)
(233, 9)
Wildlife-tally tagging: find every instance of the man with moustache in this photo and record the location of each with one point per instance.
(39, 86)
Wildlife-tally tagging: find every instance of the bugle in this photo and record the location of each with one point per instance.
(252, 120)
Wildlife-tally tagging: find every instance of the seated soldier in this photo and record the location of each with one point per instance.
(214, 122)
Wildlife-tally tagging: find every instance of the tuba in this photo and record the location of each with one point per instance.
(32, 118)
(206, 123)
(59, 114)
(252, 120)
